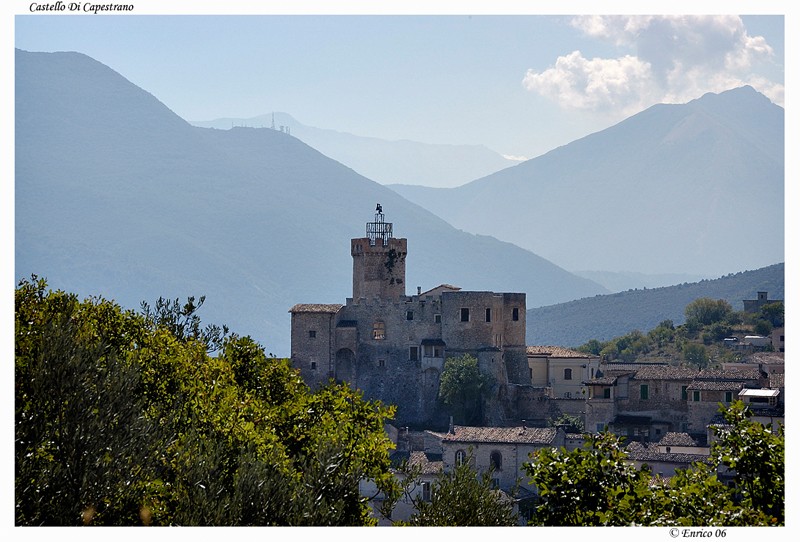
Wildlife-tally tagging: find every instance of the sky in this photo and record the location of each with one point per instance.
(518, 84)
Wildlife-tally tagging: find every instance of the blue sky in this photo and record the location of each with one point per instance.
(519, 84)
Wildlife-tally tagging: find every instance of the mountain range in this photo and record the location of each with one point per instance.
(692, 188)
(383, 161)
(116, 195)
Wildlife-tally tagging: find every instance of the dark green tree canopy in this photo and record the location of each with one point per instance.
(596, 485)
(464, 498)
(462, 387)
(124, 418)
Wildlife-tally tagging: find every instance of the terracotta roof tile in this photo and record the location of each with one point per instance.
(557, 352)
(732, 373)
(421, 459)
(316, 308)
(665, 372)
(677, 439)
(501, 435)
(715, 385)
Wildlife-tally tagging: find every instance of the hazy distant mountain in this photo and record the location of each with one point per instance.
(620, 281)
(604, 317)
(696, 188)
(407, 162)
(118, 196)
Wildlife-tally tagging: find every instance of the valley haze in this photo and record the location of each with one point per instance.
(259, 219)
(252, 218)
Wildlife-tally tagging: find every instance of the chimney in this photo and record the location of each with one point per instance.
(451, 430)
(419, 290)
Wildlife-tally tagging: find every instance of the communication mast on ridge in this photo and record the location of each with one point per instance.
(273, 120)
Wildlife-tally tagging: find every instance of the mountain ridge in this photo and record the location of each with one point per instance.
(384, 161)
(576, 322)
(674, 183)
(115, 195)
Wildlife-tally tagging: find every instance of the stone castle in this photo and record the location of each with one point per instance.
(392, 346)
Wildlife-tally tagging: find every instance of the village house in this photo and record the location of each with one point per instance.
(675, 451)
(641, 402)
(712, 387)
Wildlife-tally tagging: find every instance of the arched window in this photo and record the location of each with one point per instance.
(461, 456)
(567, 374)
(379, 331)
(496, 461)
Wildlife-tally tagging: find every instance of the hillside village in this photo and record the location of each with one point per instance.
(393, 346)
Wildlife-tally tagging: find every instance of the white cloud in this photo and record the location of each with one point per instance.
(669, 59)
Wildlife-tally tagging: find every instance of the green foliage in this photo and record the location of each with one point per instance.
(597, 486)
(695, 354)
(762, 327)
(773, 313)
(757, 454)
(183, 322)
(662, 334)
(585, 486)
(574, 424)
(464, 498)
(462, 387)
(124, 418)
(706, 311)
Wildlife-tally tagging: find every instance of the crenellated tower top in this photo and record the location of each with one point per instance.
(379, 261)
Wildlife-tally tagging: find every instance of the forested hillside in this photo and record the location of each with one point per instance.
(606, 316)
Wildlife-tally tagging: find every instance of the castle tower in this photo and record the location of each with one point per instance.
(379, 261)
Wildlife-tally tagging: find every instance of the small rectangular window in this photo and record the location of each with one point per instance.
(426, 491)
(606, 393)
(312, 334)
(465, 315)
(437, 318)
(568, 374)
(684, 394)
(313, 365)
(728, 396)
(488, 315)
(644, 392)
(515, 314)
(409, 315)
(413, 353)
(381, 363)
(696, 396)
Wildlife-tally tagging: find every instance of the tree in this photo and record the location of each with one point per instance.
(756, 452)
(584, 487)
(595, 485)
(462, 387)
(463, 498)
(762, 327)
(122, 420)
(695, 354)
(574, 424)
(773, 313)
(706, 311)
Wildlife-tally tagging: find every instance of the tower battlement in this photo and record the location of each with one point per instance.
(379, 261)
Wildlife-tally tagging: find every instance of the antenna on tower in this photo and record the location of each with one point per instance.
(273, 120)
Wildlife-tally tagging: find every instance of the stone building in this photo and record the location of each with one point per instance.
(392, 346)
(502, 450)
(754, 305)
